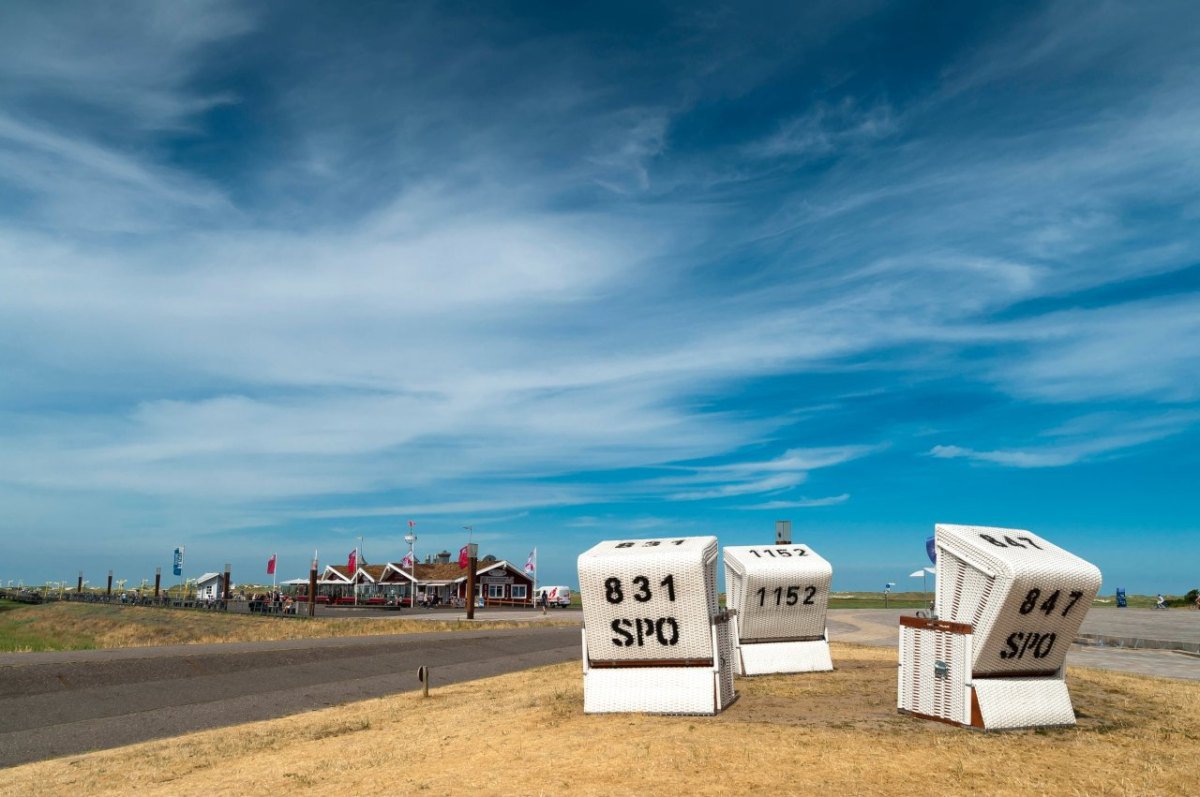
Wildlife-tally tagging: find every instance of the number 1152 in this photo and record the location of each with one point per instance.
(791, 597)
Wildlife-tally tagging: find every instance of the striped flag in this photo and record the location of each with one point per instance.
(271, 565)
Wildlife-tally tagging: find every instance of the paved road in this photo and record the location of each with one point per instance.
(54, 704)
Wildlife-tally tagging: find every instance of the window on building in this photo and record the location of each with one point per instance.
(495, 590)
(519, 592)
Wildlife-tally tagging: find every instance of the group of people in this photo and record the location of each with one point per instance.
(272, 602)
(1160, 601)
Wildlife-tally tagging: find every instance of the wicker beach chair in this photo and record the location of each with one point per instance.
(654, 639)
(1008, 606)
(779, 594)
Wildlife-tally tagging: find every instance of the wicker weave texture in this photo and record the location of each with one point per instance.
(967, 589)
(652, 690)
(1025, 596)
(920, 688)
(650, 600)
(1023, 702)
(780, 592)
(768, 658)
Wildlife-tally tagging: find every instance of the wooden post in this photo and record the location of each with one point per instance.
(225, 589)
(312, 590)
(79, 586)
(109, 592)
(472, 551)
(157, 581)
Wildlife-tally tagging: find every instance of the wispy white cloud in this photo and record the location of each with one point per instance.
(84, 186)
(638, 141)
(766, 476)
(826, 129)
(766, 484)
(803, 503)
(86, 92)
(1087, 438)
(132, 63)
(794, 459)
(1148, 349)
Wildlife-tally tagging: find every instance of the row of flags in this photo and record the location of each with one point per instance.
(352, 560)
(463, 558)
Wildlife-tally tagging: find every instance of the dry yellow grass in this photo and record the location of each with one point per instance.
(66, 625)
(826, 734)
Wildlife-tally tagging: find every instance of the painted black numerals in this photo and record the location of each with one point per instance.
(1021, 642)
(1050, 603)
(641, 632)
(779, 553)
(1009, 542)
(614, 591)
(788, 596)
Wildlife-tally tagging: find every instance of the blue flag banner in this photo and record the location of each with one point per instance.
(931, 550)
(179, 561)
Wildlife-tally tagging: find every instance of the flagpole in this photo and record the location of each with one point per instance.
(471, 575)
(411, 539)
(274, 571)
(535, 570)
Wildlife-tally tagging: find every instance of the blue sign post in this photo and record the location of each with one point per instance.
(178, 561)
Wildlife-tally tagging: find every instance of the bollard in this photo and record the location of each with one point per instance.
(423, 676)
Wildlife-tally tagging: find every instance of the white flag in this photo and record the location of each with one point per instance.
(531, 562)
(407, 561)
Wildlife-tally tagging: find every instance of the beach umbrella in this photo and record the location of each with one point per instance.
(922, 574)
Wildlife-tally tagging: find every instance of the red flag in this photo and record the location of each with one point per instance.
(463, 558)
(412, 523)
(271, 565)
(352, 562)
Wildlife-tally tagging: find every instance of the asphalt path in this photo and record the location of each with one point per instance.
(56, 704)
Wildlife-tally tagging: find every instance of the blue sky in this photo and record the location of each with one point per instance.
(275, 276)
